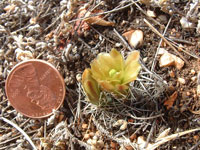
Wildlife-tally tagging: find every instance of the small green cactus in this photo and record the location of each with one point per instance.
(110, 72)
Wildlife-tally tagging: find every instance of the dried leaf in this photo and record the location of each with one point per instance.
(83, 25)
(98, 20)
(169, 103)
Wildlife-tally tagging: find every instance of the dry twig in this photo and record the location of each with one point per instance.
(20, 130)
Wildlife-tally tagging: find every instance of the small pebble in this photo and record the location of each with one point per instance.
(193, 72)
(188, 93)
(89, 141)
(94, 142)
(128, 147)
(180, 47)
(118, 44)
(133, 137)
(163, 19)
(161, 51)
(181, 80)
(124, 125)
(86, 136)
(113, 145)
(93, 147)
(100, 143)
(172, 74)
(194, 78)
(97, 134)
(196, 137)
(84, 126)
(91, 134)
(151, 13)
(145, 59)
(166, 60)
(134, 37)
(95, 137)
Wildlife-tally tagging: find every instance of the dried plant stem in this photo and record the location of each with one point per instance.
(122, 39)
(73, 138)
(20, 130)
(146, 118)
(107, 12)
(156, 22)
(153, 64)
(175, 45)
(150, 133)
(8, 146)
(180, 40)
(170, 137)
(16, 137)
(156, 31)
(195, 146)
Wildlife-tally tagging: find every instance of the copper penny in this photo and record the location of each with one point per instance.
(35, 88)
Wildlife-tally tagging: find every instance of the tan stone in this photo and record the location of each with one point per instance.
(179, 63)
(166, 60)
(181, 80)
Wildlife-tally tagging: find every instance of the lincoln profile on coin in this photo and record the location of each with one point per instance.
(38, 94)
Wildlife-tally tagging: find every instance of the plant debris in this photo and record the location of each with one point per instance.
(161, 108)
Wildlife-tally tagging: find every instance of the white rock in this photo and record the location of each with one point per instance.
(192, 71)
(86, 136)
(89, 141)
(118, 44)
(145, 59)
(194, 78)
(151, 13)
(122, 123)
(100, 143)
(93, 147)
(181, 80)
(186, 24)
(124, 126)
(134, 37)
(118, 123)
(166, 60)
(161, 51)
(179, 63)
(94, 142)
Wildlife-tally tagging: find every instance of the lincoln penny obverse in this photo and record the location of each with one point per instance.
(35, 88)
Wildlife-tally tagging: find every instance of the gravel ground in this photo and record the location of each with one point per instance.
(162, 110)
